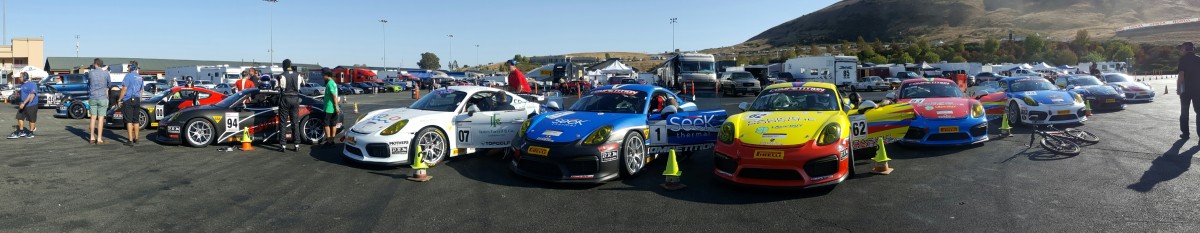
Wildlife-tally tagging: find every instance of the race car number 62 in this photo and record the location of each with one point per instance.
(858, 126)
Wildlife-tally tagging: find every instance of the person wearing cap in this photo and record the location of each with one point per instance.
(130, 102)
(1187, 86)
(98, 79)
(27, 110)
(331, 106)
(516, 79)
(289, 84)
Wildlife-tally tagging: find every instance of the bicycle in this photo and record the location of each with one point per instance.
(1064, 142)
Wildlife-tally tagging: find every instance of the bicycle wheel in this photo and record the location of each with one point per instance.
(1060, 146)
(1084, 136)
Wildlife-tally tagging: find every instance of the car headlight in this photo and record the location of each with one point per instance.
(726, 133)
(830, 134)
(598, 136)
(1078, 98)
(977, 110)
(1029, 101)
(395, 128)
(524, 127)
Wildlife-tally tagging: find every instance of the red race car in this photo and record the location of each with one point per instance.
(164, 103)
(574, 86)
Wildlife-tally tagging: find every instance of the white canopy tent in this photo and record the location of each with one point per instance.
(1043, 66)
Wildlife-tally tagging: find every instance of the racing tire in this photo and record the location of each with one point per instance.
(144, 120)
(434, 146)
(312, 129)
(1084, 136)
(198, 133)
(77, 111)
(1014, 114)
(852, 171)
(1060, 146)
(633, 155)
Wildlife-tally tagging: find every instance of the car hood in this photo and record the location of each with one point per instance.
(570, 126)
(378, 120)
(1095, 90)
(1132, 86)
(942, 108)
(1048, 97)
(782, 128)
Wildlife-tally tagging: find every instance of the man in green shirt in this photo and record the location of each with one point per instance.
(331, 106)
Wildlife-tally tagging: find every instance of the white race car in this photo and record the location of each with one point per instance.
(446, 122)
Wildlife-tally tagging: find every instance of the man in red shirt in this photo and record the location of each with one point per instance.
(245, 82)
(516, 79)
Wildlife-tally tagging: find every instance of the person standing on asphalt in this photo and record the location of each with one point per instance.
(1188, 86)
(130, 103)
(246, 82)
(331, 106)
(517, 82)
(289, 105)
(98, 100)
(27, 110)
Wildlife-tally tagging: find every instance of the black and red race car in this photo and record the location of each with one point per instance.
(164, 103)
(251, 109)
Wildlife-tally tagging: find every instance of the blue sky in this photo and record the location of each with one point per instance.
(348, 32)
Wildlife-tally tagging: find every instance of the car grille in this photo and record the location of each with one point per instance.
(350, 149)
(1036, 116)
(1063, 117)
(770, 174)
(747, 84)
(979, 130)
(725, 164)
(916, 133)
(824, 166)
(379, 150)
(583, 167)
(539, 168)
(949, 136)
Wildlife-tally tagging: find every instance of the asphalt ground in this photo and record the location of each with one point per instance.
(1137, 179)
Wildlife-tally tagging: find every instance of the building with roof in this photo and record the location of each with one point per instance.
(150, 66)
(22, 52)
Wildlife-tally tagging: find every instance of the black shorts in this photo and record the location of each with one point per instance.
(331, 119)
(132, 111)
(29, 113)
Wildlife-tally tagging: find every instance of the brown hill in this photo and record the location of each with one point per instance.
(945, 19)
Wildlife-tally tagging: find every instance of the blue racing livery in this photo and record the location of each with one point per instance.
(610, 132)
(1034, 100)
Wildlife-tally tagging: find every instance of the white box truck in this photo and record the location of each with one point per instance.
(839, 70)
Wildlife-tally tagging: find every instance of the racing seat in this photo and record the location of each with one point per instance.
(657, 105)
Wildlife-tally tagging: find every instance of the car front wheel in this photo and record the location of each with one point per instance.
(77, 111)
(434, 147)
(198, 133)
(633, 155)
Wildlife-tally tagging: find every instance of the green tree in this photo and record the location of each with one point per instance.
(845, 47)
(958, 59)
(1123, 53)
(1080, 43)
(429, 61)
(791, 53)
(743, 60)
(877, 59)
(1034, 44)
(1065, 57)
(931, 58)
(606, 56)
(991, 46)
(902, 58)
(1093, 57)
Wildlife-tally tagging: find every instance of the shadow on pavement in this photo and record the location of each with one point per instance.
(493, 169)
(331, 154)
(704, 187)
(1166, 167)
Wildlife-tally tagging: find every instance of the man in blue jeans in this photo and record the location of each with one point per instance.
(130, 102)
(98, 100)
(27, 110)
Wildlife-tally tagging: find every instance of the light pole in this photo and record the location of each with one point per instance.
(76, 46)
(272, 16)
(477, 55)
(451, 55)
(673, 21)
(384, 22)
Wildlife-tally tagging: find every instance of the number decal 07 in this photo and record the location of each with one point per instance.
(464, 135)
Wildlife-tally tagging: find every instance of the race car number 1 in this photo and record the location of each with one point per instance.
(858, 127)
(231, 121)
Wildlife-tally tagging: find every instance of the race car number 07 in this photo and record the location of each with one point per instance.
(464, 135)
(231, 121)
(858, 127)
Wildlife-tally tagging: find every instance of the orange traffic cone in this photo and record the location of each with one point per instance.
(246, 140)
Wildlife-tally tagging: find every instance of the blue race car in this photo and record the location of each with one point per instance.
(1034, 100)
(613, 131)
(942, 114)
(74, 107)
(1100, 96)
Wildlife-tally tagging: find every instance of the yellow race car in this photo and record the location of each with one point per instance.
(793, 135)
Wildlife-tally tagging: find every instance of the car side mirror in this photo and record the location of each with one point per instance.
(743, 106)
(890, 96)
(554, 105)
(471, 110)
(867, 105)
(667, 111)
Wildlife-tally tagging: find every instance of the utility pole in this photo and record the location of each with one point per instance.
(451, 55)
(77, 46)
(477, 55)
(5, 39)
(272, 16)
(673, 22)
(384, 22)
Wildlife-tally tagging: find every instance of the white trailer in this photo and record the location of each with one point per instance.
(839, 70)
(214, 74)
(969, 68)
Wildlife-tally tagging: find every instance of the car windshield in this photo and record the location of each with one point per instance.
(796, 99)
(1085, 81)
(737, 76)
(1031, 84)
(930, 89)
(228, 101)
(157, 97)
(612, 100)
(1116, 78)
(444, 100)
(990, 84)
(629, 81)
(697, 66)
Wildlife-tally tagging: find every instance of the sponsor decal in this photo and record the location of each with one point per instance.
(667, 149)
(1030, 93)
(495, 120)
(172, 129)
(495, 143)
(443, 92)
(608, 156)
(692, 123)
(554, 133)
(931, 83)
(398, 143)
(945, 112)
(775, 136)
(582, 176)
(768, 154)
(760, 130)
(820, 178)
(616, 92)
(559, 114)
(568, 122)
(399, 150)
(758, 116)
(537, 150)
(544, 138)
(780, 119)
(868, 142)
(929, 107)
(798, 89)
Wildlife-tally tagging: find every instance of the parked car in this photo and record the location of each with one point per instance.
(1133, 91)
(347, 89)
(871, 83)
(367, 88)
(224, 89)
(205, 84)
(1098, 95)
(739, 82)
(312, 89)
(228, 119)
